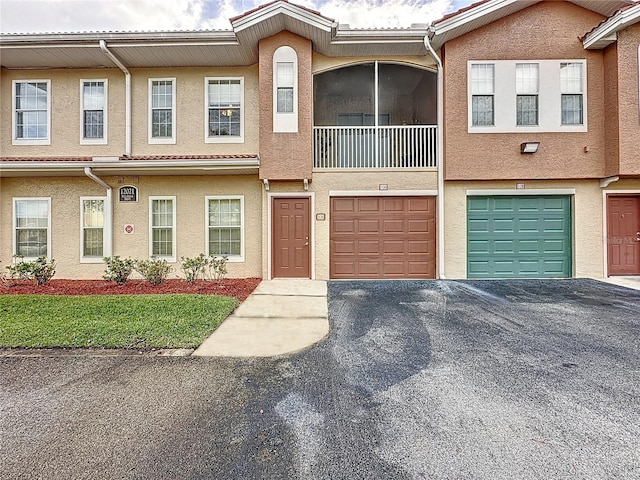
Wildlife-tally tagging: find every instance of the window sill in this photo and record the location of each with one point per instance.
(23, 141)
(228, 139)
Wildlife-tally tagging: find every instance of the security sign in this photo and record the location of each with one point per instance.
(128, 229)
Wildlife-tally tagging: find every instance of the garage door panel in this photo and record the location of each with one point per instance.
(344, 205)
(383, 237)
(532, 241)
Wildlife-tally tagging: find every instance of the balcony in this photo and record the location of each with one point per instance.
(375, 147)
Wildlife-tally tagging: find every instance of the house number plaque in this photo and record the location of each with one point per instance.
(128, 193)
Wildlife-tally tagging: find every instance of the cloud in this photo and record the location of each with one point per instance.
(20, 16)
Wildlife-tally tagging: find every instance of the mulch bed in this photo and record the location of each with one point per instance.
(239, 288)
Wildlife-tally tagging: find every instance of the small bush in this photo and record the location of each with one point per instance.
(193, 267)
(118, 269)
(155, 271)
(217, 267)
(39, 269)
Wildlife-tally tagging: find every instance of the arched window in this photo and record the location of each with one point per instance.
(285, 90)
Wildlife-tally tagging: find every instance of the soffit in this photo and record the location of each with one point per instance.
(487, 11)
(207, 48)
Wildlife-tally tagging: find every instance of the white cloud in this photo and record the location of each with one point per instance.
(19, 16)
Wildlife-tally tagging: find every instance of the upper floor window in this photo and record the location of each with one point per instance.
(482, 94)
(527, 94)
(93, 121)
(32, 227)
(285, 90)
(511, 96)
(571, 89)
(162, 226)
(31, 112)
(162, 110)
(224, 110)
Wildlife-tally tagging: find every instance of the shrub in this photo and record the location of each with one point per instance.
(118, 269)
(39, 269)
(217, 267)
(193, 267)
(155, 271)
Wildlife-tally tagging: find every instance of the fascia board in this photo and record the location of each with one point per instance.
(474, 14)
(605, 34)
(156, 164)
(285, 9)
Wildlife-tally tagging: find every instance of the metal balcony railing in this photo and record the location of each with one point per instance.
(375, 147)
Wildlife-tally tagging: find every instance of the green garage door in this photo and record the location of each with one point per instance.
(518, 236)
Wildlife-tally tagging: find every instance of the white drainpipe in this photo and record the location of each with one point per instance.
(440, 158)
(127, 96)
(108, 213)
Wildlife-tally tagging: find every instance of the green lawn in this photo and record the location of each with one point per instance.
(134, 321)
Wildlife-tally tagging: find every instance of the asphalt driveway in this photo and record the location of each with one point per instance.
(417, 380)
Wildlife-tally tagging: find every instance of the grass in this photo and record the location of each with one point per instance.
(110, 321)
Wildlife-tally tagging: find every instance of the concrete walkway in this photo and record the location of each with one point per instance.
(279, 317)
(623, 281)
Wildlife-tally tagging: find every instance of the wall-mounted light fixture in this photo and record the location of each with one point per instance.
(529, 147)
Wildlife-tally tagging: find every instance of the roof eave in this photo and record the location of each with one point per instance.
(607, 32)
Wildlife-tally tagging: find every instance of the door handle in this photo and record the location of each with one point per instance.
(307, 243)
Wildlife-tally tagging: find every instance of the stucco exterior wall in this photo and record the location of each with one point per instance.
(286, 156)
(547, 30)
(190, 112)
(612, 111)
(190, 192)
(629, 87)
(398, 182)
(587, 223)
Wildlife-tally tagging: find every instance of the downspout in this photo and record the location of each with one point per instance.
(439, 156)
(108, 214)
(127, 96)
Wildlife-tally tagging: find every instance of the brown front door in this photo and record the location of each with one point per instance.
(291, 242)
(623, 235)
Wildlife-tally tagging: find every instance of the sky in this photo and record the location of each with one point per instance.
(38, 16)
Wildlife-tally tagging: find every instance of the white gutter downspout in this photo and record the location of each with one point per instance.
(108, 213)
(440, 157)
(127, 96)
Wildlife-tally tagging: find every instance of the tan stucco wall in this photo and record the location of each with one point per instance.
(190, 112)
(547, 30)
(587, 223)
(356, 182)
(628, 42)
(322, 62)
(190, 192)
(612, 111)
(286, 156)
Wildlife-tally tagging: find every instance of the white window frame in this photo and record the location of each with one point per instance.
(105, 122)
(14, 117)
(162, 140)
(577, 92)
(231, 258)
(223, 138)
(169, 258)
(530, 88)
(475, 93)
(106, 237)
(285, 122)
(549, 98)
(15, 225)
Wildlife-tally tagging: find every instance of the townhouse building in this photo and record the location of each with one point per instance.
(497, 142)
(541, 118)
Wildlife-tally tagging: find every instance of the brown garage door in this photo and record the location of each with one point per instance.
(383, 237)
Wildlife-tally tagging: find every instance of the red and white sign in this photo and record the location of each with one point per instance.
(128, 229)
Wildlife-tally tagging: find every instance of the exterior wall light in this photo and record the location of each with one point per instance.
(529, 147)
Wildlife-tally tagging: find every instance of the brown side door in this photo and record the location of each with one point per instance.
(623, 235)
(291, 227)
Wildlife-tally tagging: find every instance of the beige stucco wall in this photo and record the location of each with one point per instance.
(546, 30)
(587, 223)
(190, 112)
(398, 182)
(190, 192)
(286, 156)
(612, 111)
(322, 62)
(629, 88)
